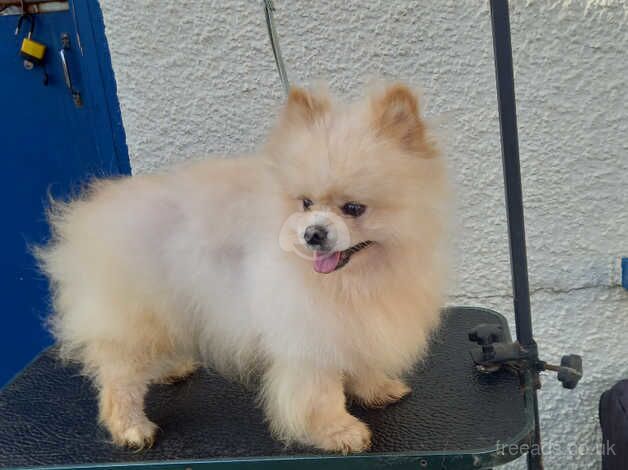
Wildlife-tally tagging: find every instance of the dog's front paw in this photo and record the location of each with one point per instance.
(347, 434)
(380, 394)
(140, 435)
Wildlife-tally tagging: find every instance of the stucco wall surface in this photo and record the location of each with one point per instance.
(197, 78)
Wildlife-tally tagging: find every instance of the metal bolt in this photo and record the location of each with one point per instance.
(78, 100)
(65, 40)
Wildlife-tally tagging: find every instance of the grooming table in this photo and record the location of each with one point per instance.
(456, 417)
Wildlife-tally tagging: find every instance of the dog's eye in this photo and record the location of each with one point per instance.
(353, 209)
(307, 203)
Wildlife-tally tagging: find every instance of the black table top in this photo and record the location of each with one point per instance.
(48, 413)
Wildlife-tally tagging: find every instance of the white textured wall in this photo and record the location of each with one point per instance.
(198, 77)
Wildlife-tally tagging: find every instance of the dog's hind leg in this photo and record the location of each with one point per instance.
(122, 378)
(374, 389)
(122, 369)
(180, 371)
(122, 413)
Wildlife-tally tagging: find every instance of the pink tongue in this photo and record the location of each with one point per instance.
(326, 262)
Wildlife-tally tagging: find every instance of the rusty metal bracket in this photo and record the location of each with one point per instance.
(19, 7)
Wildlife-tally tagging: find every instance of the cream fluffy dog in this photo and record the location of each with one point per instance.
(317, 264)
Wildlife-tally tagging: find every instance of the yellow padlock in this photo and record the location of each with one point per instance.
(33, 50)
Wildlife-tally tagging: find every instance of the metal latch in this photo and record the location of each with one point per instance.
(65, 46)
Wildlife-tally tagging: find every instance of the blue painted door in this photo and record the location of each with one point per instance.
(48, 144)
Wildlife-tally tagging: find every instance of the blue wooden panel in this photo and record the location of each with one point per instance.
(48, 144)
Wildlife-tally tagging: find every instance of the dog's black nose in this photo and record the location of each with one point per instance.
(315, 235)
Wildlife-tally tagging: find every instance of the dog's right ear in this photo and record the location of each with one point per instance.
(305, 107)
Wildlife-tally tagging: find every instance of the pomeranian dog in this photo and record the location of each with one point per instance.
(316, 264)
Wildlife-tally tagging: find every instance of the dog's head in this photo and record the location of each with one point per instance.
(362, 182)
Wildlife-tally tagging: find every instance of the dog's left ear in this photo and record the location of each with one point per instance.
(395, 115)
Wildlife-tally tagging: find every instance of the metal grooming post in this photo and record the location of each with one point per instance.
(269, 9)
(514, 200)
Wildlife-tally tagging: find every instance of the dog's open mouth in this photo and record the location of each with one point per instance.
(328, 262)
